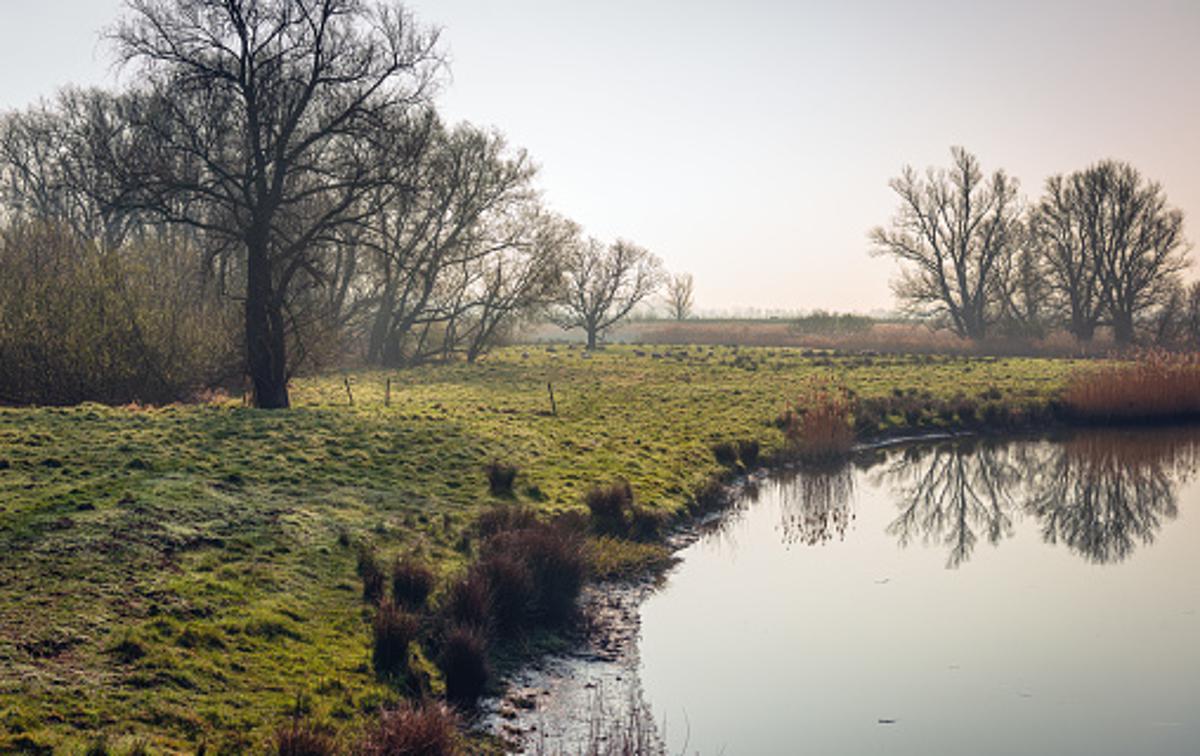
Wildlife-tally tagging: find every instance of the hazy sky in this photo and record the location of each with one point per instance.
(750, 143)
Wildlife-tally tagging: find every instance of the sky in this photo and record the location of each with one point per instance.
(750, 143)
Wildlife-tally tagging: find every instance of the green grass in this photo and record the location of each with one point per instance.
(187, 574)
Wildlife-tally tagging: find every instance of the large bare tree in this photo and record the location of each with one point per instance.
(273, 124)
(601, 285)
(1061, 229)
(957, 232)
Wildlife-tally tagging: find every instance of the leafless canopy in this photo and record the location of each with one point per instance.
(957, 233)
(680, 298)
(272, 123)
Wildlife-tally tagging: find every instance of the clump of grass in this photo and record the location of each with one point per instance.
(464, 664)
(748, 453)
(556, 562)
(373, 581)
(726, 454)
(611, 506)
(301, 738)
(469, 601)
(427, 729)
(501, 476)
(1156, 386)
(412, 582)
(505, 517)
(510, 589)
(818, 424)
(394, 629)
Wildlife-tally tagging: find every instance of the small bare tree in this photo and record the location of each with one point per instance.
(957, 231)
(679, 296)
(601, 285)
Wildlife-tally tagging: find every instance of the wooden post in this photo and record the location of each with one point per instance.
(349, 393)
(553, 406)
(387, 394)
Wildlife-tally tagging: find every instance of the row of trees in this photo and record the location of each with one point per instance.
(287, 156)
(1101, 247)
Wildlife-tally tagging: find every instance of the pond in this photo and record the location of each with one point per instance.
(966, 596)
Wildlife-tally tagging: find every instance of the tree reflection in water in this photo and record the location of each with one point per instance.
(1102, 493)
(815, 504)
(951, 493)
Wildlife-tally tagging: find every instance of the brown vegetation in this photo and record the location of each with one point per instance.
(427, 729)
(817, 425)
(1155, 386)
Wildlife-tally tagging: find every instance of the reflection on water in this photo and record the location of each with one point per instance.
(1101, 494)
(973, 596)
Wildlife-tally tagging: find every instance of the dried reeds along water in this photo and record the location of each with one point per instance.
(970, 597)
(1156, 385)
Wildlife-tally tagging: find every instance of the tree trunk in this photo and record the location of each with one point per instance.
(266, 348)
(591, 339)
(1082, 329)
(1122, 327)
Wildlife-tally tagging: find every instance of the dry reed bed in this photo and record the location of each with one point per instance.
(1154, 386)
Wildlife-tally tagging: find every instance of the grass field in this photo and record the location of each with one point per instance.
(186, 574)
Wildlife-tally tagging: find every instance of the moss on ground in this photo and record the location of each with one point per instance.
(186, 574)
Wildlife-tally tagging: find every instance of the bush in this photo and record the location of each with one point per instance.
(372, 576)
(412, 582)
(610, 506)
(83, 323)
(501, 477)
(428, 729)
(394, 629)
(302, 738)
(464, 664)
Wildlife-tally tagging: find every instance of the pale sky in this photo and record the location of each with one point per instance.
(750, 143)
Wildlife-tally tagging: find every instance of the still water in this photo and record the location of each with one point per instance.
(965, 597)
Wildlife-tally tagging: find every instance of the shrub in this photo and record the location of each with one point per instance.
(301, 738)
(427, 729)
(394, 629)
(372, 576)
(412, 582)
(464, 664)
(1156, 386)
(501, 477)
(610, 506)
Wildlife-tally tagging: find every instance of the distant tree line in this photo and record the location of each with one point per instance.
(1101, 247)
(276, 190)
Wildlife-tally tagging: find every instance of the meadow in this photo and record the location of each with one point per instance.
(186, 575)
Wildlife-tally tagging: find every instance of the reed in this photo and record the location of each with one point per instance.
(1155, 386)
(818, 424)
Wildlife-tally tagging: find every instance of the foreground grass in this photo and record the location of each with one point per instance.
(186, 574)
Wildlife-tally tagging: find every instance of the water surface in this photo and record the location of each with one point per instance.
(957, 597)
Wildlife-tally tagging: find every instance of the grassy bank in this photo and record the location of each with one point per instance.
(188, 574)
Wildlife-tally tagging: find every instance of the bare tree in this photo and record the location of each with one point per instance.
(957, 231)
(1136, 239)
(272, 124)
(1062, 227)
(679, 295)
(603, 284)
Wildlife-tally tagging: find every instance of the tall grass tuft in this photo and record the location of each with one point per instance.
(501, 477)
(612, 505)
(464, 664)
(301, 738)
(1156, 386)
(818, 424)
(394, 630)
(412, 582)
(373, 581)
(427, 729)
